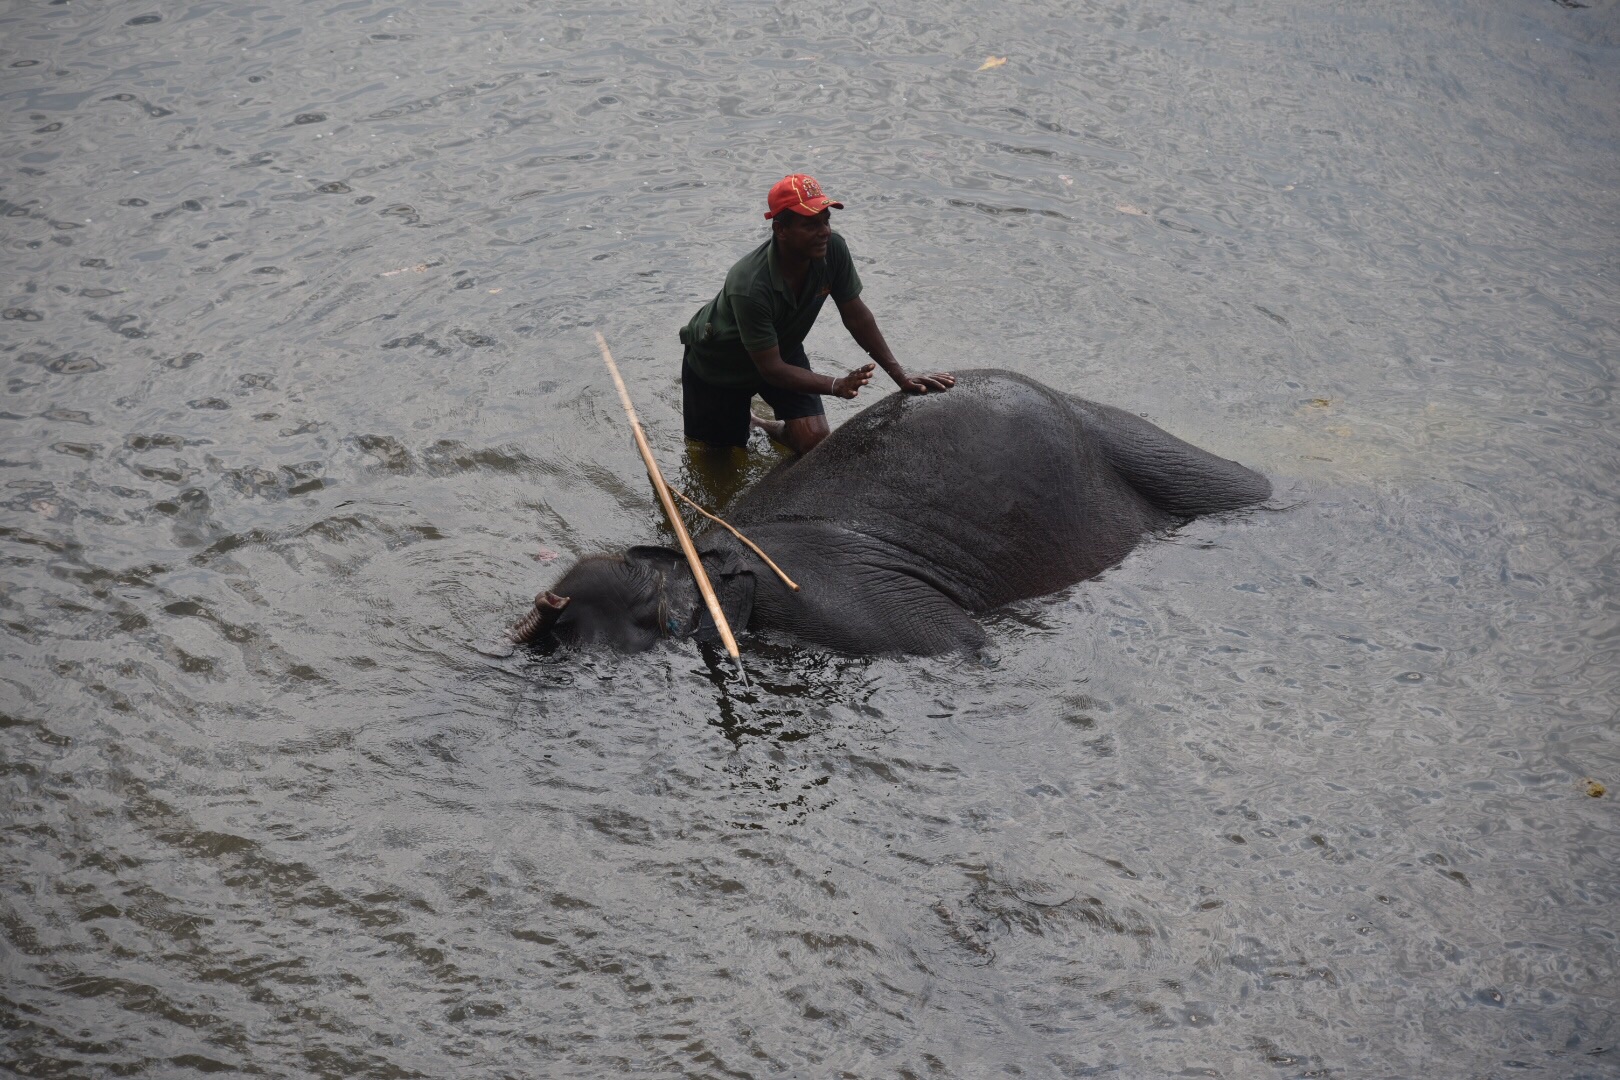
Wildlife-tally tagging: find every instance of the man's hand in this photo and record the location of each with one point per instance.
(847, 386)
(921, 384)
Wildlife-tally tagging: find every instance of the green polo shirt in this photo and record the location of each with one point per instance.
(755, 310)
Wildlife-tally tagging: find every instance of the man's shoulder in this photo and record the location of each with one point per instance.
(838, 248)
(748, 272)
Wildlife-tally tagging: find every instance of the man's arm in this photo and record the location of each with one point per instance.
(754, 323)
(778, 372)
(862, 326)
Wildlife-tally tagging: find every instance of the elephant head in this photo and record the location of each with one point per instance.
(630, 602)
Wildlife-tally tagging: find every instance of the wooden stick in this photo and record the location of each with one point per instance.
(789, 582)
(673, 514)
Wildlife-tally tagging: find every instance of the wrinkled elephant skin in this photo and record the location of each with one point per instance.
(918, 513)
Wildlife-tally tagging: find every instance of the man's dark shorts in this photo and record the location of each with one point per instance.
(718, 415)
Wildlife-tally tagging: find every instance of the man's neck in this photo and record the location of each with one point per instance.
(792, 265)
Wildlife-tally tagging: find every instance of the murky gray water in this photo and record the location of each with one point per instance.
(301, 387)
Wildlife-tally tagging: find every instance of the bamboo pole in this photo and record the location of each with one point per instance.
(755, 548)
(670, 511)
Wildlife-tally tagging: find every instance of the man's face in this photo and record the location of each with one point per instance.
(806, 237)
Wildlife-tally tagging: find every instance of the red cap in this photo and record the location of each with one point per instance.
(801, 194)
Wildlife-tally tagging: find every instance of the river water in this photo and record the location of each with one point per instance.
(302, 401)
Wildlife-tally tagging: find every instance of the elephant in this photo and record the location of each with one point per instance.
(918, 513)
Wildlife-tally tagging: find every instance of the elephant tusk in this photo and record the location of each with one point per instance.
(789, 582)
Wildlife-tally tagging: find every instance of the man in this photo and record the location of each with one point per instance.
(750, 338)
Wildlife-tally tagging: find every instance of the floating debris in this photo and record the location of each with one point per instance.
(1595, 788)
(1127, 208)
(419, 268)
(992, 62)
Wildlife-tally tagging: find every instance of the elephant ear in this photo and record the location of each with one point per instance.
(734, 585)
(732, 580)
(663, 559)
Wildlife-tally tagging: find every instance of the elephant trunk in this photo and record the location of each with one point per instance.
(540, 619)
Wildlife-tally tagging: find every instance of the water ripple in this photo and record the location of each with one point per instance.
(302, 406)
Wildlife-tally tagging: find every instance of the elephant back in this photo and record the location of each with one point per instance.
(996, 490)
